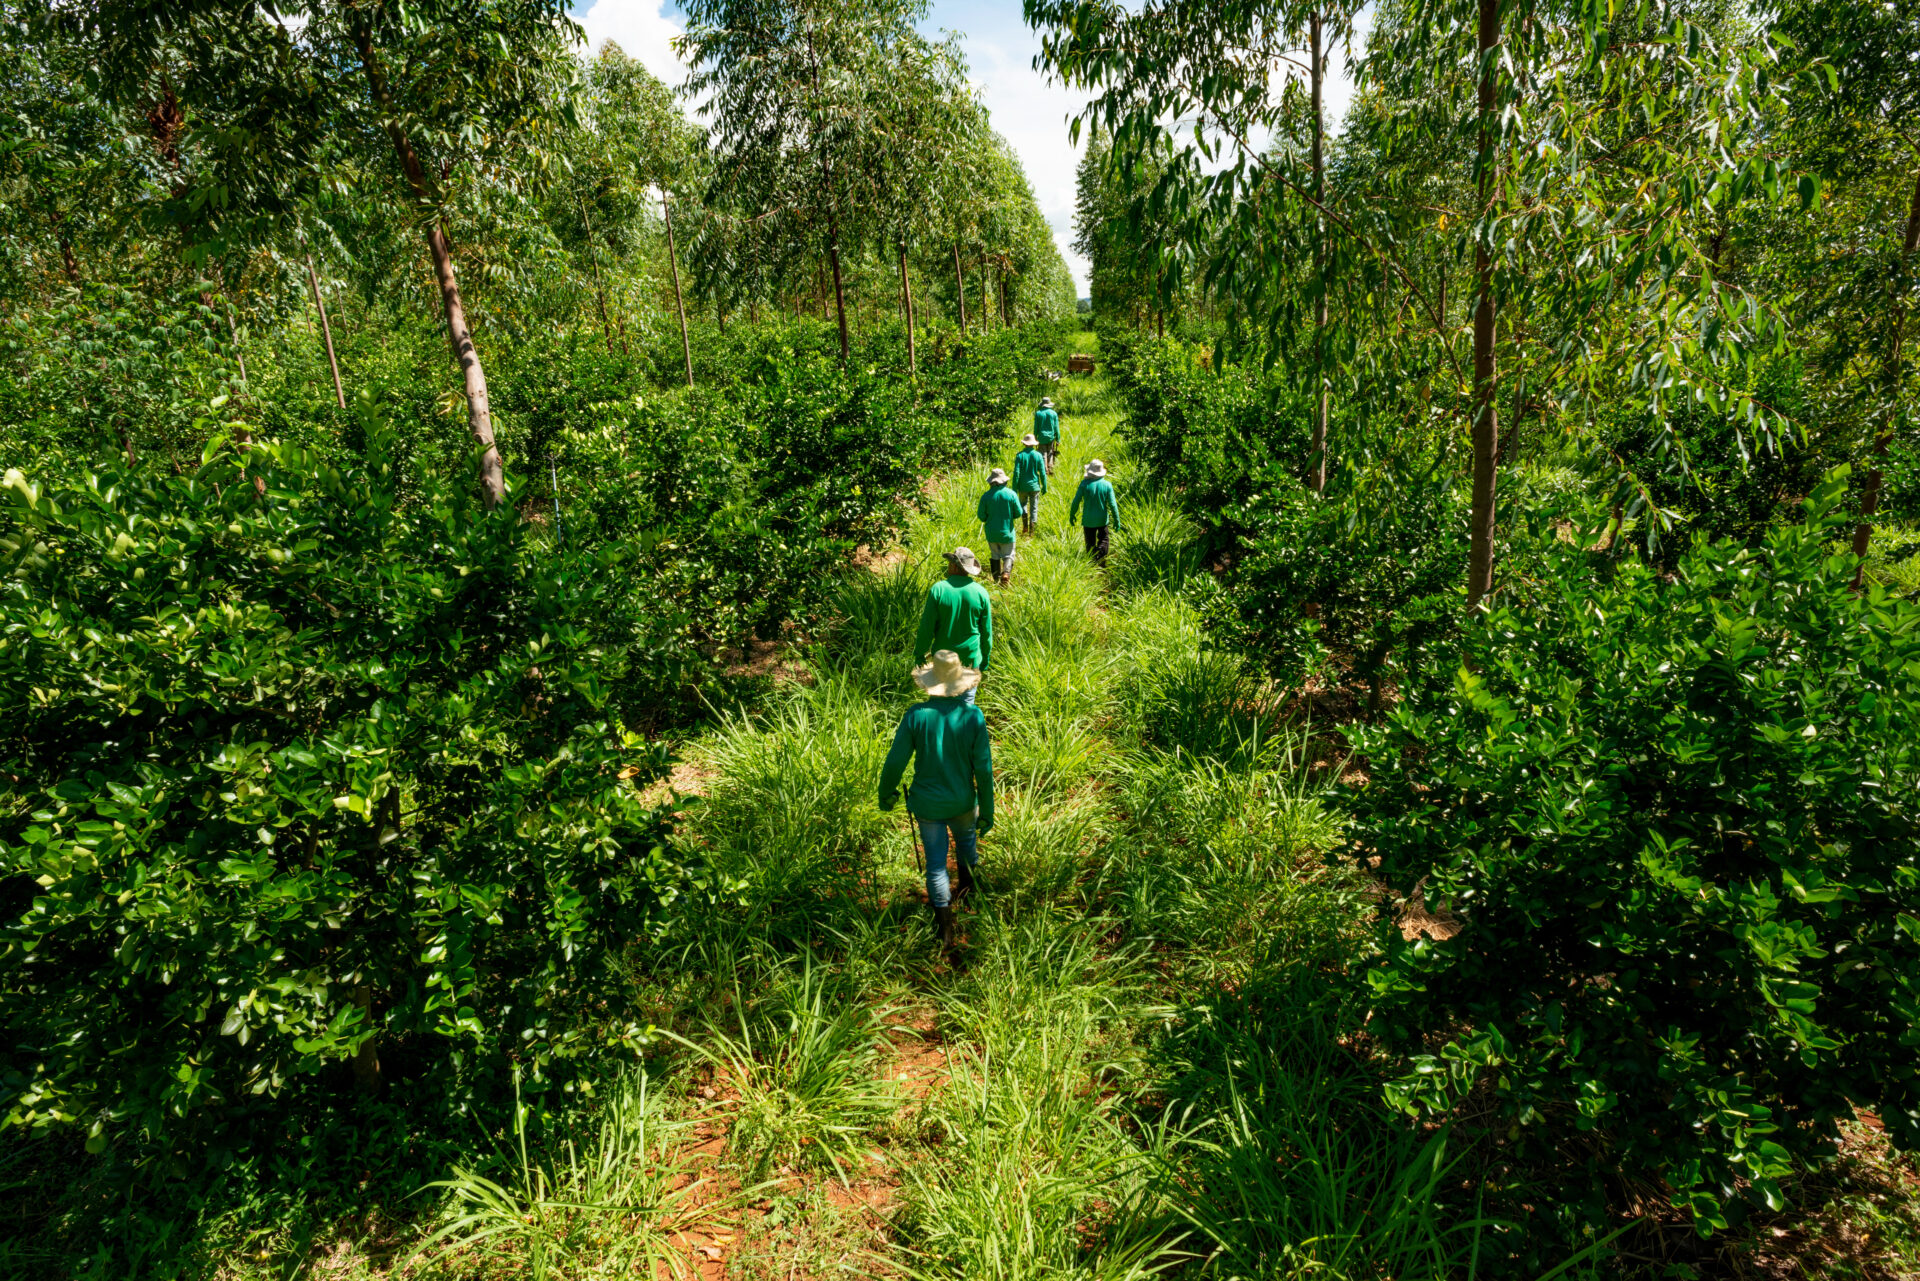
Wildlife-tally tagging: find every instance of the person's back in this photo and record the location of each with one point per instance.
(1046, 430)
(958, 615)
(946, 738)
(999, 511)
(1101, 507)
(946, 741)
(1030, 470)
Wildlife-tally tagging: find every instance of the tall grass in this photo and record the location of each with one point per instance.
(1144, 1023)
(609, 1202)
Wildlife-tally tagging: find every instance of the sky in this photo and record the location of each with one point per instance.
(1028, 110)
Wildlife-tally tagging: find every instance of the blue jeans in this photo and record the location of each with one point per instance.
(1030, 504)
(933, 837)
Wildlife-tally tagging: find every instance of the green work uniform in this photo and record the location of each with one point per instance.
(1103, 505)
(1046, 426)
(999, 512)
(952, 757)
(1030, 471)
(958, 616)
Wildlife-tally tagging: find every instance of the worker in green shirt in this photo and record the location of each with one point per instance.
(998, 511)
(1030, 480)
(1102, 509)
(1046, 430)
(952, 792)
(958, 616)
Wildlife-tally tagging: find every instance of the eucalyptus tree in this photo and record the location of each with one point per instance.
(1594, 146)
(1866, 131)
(252, 108)
(639, 139)
(924, 118)
(1227, 74)
(784, 85)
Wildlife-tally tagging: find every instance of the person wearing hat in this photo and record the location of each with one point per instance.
(1102, 509)
(998, 511)
(1046, 430)
(1030, 480)
(952, 794)
(958, 616)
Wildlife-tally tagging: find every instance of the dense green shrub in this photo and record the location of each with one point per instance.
(1677, 823)
(1376, 581)
(1214, 438)
(294, 769)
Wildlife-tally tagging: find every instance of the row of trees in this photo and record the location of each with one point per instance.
(1542, 410)
(259, 162)
(1536, 219)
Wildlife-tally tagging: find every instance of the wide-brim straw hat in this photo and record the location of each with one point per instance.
(1030, 440)
(945, 676)
(996, 477)
(1096, 469)
(963, 558)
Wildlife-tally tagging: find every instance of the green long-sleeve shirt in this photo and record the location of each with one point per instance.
(1030, 472)
(947, 741)
(999, 512)
(958, 616)
(1046, 426)
(1103, 505)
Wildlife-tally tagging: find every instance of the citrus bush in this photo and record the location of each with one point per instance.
(1677, 823)
(295, 773)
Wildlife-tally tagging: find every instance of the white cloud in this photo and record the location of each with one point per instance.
(643, 29)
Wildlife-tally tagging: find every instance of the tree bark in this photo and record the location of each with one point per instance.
(1317, 445)
(599, 285)
(1883, 439)
(326, 333)
(906, 296)
(366, 1059)
(1486, 414)
(679, 303)
(960, 287)
(493, 481)
(1006, 320)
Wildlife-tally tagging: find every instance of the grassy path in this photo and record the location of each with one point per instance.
(1132, 1064)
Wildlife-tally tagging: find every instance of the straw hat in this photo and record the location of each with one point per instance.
(1096, 469)
(1030, 440)
(961, 558)
(996, 477)
(1046, 402)
(945, 676)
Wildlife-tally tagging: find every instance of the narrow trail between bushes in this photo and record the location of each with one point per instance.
(1130, 1065)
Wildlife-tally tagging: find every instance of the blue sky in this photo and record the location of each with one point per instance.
(1028, 110)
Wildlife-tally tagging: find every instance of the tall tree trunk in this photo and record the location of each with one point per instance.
(326, 332)
(599, 286)
(366, 1059)
(1891, 374)
(679, 303)
(493, 480)
(1006, 321)
(1486, 415)
(960, 287)
(1317, 445)
(906, 295)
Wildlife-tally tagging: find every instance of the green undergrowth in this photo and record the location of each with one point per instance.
(1152, 1060)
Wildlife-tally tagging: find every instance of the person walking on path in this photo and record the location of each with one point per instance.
(952, 793)
(958, 616)
(998, 512)
(1102, 509)
(1046, 430)
(1030, 481)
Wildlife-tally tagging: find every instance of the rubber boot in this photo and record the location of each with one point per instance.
(966, 884)
(993, 567)
(943, 925)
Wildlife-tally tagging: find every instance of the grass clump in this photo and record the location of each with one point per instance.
(802, 1067)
